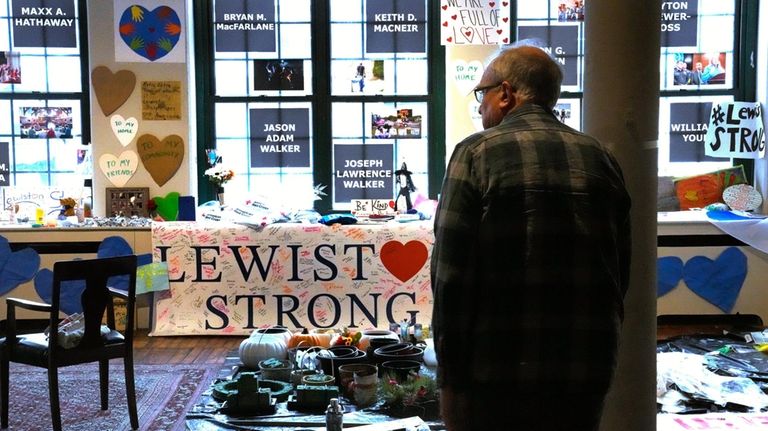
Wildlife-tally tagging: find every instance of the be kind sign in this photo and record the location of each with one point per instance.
(230, 279)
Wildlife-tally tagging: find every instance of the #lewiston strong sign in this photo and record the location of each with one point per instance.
(230, 279)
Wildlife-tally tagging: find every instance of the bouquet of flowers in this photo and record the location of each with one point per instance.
(217, 173)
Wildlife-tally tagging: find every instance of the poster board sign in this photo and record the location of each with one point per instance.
(736, 130)
(161, 100)
(474, 22)
(244, 26)
(679, 20)
(229, 279)
(279, 137)
(395, 26)
(5, 164)
(560, 41)
(363, 172)
(687, 131)
(44, 24)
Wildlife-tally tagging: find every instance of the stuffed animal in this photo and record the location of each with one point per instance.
(67, 207)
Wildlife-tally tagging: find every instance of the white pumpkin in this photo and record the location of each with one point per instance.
(370, 334)
(263, 344)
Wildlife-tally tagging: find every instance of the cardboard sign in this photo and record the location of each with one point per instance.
(119, 170)
(161, 100)
(44, 27)
(112, 89)
(465, 22)
(736, 130)
(124, 129)
(244, 26)
(363, 172)
(678, 23)
(161, 158)
(279, 137)
(560, 41)
(395, 26)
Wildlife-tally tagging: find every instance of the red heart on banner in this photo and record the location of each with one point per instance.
(491, 4)
(445, 24)
(453, 17)
(505, 4)
(444, 7)
(499, 31)
(506, 39)
(403, 261)
(505, 19)
(449, 39)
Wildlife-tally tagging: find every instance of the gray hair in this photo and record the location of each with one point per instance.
(532, 72)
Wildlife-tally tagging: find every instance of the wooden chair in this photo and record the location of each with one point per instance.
(43, 351)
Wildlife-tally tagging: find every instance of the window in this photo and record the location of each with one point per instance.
(44, 127)
(312, 92)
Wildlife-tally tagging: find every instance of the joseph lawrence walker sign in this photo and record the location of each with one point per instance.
(231, 279)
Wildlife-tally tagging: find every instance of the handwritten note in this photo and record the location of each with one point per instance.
(474, 22)
(161, 100)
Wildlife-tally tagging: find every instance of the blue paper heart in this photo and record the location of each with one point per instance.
(114, 246)
(16, 267)
(669, 273)
(153, 34)
(719, 281)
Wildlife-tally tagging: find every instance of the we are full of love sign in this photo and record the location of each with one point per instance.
(474, 22)
(736, 130)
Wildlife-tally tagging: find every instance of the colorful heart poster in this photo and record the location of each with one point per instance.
(150, 31)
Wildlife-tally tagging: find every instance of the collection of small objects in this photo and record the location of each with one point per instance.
(324, 370)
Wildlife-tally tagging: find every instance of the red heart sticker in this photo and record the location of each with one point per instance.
(392, 203)
(403, 261)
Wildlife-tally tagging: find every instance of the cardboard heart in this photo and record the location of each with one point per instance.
(403, 261)
(669, 272)
(119, 170)
(16, 267)
(124, 129)
(150, 34)
(719, 281)
(168, 206)
(112, 89)
(467, 75)
(161, 158)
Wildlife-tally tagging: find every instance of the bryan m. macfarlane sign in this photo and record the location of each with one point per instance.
(736, 130)
(395, 26)
(363, 172)
(678, 23)
(279, 137)
(560, 41)
(245, 26)
(44, 24)
(230, 279)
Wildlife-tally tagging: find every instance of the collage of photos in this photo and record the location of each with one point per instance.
(278, 75)
(698, 69)
(570, 11)
(358, 77)
(10, 67)
(402, 125)
(45, 123)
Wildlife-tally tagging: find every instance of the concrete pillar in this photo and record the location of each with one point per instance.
(621, 108)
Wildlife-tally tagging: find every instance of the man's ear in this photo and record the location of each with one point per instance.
(508, 97)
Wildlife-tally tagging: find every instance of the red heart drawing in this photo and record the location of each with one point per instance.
(506, 39)
(445, 7)
(445, 24)
(392, 203)
(505, 19)
(403, 261)
(453, 17)
(492, 3)
(449, 39)
(499, 31)
(504, 3)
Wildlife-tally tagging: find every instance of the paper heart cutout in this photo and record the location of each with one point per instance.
(124, 129)
(474, 114)
(161, 158)
(151, 34)
(16, 267)
(669, 272)
(718, 282)
(114, 246)
(119, 170)
(403, 261)
(467, 75)
(112, 89)
(168, 206)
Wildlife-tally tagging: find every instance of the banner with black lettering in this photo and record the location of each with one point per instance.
(44, 24)
(560, 41)
(395, 26)
(687, 130)
(279, 137)
(679, 21)
(244, 26)
(229, 279)
(363, 172)
(736, 130)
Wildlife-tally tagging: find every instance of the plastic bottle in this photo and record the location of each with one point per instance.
(39, 215)
(334, 416)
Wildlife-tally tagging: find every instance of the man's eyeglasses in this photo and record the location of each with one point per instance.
(480, 91)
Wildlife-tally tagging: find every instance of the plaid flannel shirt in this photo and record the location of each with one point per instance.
(532, 250)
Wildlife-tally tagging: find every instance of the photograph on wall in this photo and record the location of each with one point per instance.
(150, 31)
(52, 26)
(570, 11)
(358, 76)
(560, 41)
(45, 122)
(363, 171)
(395, 26)
(84, 161)
(278, 74)
(244, 26)
(698, 68)
(10, 67)
(568, 112)
(402, 124)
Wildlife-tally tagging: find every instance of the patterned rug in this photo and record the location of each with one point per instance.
(163, 395)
